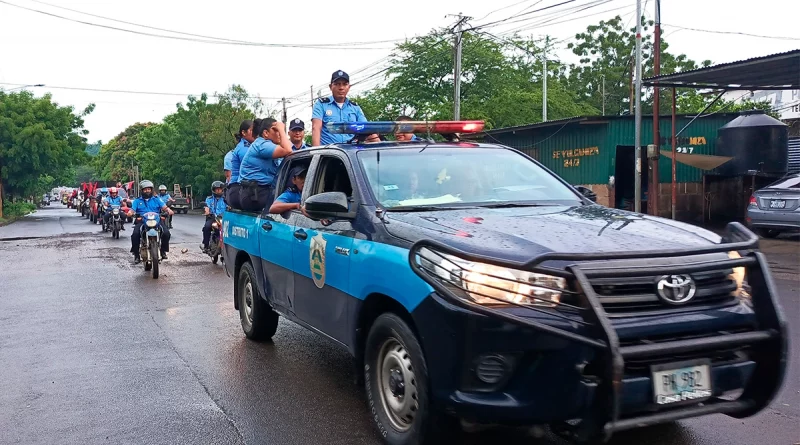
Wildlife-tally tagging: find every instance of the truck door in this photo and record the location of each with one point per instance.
(275, 242)
(321, 254)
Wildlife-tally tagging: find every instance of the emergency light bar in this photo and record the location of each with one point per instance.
(391, 127)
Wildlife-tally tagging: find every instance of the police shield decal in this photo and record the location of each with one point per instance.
(316, 260)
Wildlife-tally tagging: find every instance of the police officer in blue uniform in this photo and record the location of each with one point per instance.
(227, 165)
(297, 134)
(113, 199)
(244, 138)
(334, 108)
(215, 206)
(290, 199)
(144, 204)
(260, 165)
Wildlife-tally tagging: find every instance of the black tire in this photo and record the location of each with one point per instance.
(215, 259)
(259, 321)
(115, 232)
(154, 256)
(391, 342)
(769, 233)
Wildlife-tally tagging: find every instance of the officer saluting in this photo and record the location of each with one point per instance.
(334, 108)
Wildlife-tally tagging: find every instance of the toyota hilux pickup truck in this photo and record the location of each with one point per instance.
(473, 286)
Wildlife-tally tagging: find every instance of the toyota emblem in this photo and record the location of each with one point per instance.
(675, 289)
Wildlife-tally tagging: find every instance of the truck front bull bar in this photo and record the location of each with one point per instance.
(603, 417)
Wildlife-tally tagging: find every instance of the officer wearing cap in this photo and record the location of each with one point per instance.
(334, 108)
(290, 199)
(297, 134)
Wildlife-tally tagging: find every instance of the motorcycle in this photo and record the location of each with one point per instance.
(93, 209)
(215, 244)
(76, 204)
(150, 247)
(115, 221)
(85, 208)
(101, 210)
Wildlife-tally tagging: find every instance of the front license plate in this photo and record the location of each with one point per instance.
(681, 382)
(777, 204)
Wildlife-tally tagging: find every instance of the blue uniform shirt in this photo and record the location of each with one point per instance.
(327, 110)
(142, 206)
(289, 196)
(258, 165)
(216, 205)
(226, 163)
(114, 201)
(164, 198)
(236, 159)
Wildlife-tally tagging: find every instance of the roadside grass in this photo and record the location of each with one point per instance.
(13, 211)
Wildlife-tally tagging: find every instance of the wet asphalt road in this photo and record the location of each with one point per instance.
(93, 350)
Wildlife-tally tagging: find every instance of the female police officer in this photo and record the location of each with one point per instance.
(260, 165)
(244, 139)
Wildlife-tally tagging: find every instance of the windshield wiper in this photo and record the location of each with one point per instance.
(503, 205)
(428, 208)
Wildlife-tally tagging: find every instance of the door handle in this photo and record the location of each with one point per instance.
(300, 234)
(267, 226)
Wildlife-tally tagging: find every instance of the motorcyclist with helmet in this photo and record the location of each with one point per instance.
(113, 199)
(215, 205)
(166, 198)
(144, 204)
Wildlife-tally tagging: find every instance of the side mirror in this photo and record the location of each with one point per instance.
(587, 193)
(327, 204)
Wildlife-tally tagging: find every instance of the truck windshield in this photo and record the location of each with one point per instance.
(405, 178)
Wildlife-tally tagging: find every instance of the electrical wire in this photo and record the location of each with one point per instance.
(485, 25)
(151, 93)
(546, 24)
(509, 6)
(561, 13)
(733, 33)
(214, 41)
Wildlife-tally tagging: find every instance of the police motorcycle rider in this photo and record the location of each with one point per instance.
(166, 198)
(144, 204)
(113, 199)
(214, 206)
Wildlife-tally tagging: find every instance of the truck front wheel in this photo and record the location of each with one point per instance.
(396, 380)
(259, 321)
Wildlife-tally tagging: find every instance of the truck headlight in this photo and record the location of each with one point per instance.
(489, 285)
(738, 275)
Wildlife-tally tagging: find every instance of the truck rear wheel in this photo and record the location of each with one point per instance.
(396, 380)
(259, 321)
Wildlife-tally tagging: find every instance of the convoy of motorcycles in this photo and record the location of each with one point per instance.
(94, 208)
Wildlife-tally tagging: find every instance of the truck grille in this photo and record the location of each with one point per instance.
(622, 296)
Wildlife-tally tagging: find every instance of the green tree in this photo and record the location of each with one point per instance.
(607, 57)
(116, 158)
(39, 143)
(501, 82)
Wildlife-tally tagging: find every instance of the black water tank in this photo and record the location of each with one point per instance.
(757, 142)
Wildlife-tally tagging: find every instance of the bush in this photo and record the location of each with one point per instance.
(17, 209)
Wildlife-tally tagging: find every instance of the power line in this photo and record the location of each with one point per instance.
(733, 33)
(209, 40)
(485, 25)
(547, 23)
(153, 93)
(561, 13)
(509, 6)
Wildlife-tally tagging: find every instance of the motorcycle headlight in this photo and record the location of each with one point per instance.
(739, 276)
(151, 223)
(491, 285)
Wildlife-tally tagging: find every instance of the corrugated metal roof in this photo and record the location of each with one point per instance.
(794, 155)
(773, 72)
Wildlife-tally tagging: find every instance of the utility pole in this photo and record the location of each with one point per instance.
(654, 179)
(544, 79)
(457, 65)
(283, 100)
(312, 96)
(638, 116)
(604, 94)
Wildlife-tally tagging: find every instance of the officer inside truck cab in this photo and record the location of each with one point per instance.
(260, 165)
(290, 199)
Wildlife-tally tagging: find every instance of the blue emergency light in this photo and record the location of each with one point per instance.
(391, 127)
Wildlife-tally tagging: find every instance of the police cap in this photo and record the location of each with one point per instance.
(339, 75)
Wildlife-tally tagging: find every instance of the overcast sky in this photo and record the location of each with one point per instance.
(36, 48)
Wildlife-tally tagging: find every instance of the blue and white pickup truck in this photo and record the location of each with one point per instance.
(474, 286)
